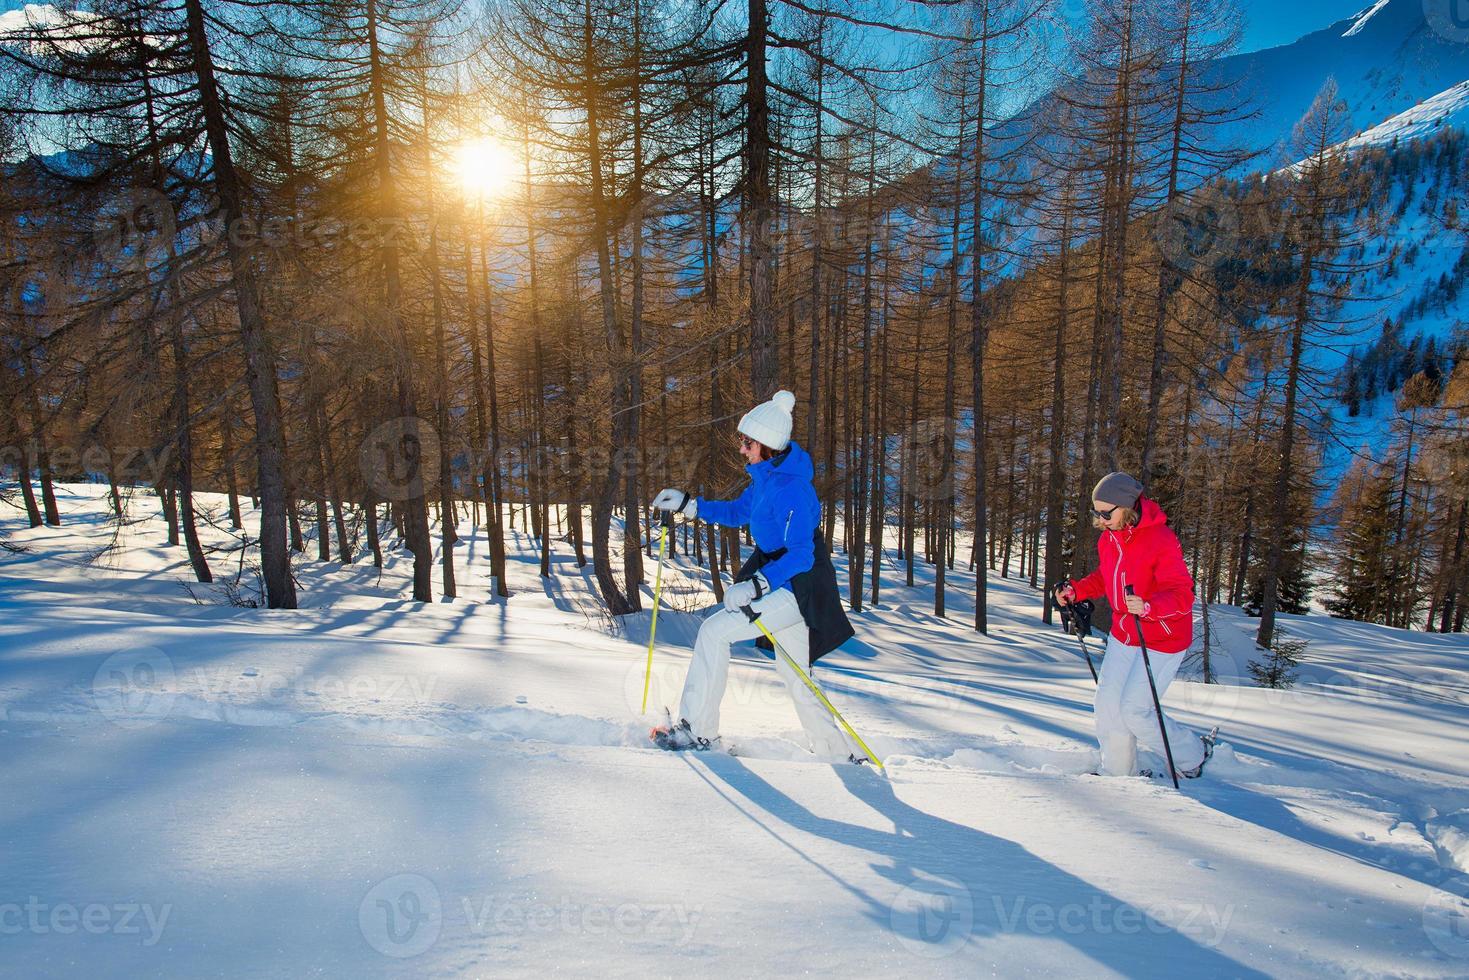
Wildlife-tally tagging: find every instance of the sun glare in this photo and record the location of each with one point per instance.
(485, 167)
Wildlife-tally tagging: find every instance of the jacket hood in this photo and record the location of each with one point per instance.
(796, 465)
(1151, 514)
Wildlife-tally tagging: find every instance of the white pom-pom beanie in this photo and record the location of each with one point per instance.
(769, 423)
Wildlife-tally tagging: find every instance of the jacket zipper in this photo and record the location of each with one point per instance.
(1121, 581)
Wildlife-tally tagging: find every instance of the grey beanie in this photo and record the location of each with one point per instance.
(1118, 489)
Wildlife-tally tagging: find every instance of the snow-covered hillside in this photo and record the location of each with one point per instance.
(1449, 108)
(1407, 309)
(1386, 59)
(365, 787)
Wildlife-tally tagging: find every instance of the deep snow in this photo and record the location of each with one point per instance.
(364, 787)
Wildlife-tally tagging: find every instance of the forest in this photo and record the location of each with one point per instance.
(370, 262)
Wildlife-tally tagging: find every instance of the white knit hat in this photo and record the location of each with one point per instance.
(769, 423)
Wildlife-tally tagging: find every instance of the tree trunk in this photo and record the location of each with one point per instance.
(260, 370)
(227, 455)
(979, 332)
(414, 504)
(27, 491)
(617, 603)
(43, 454)
(1056, 475)
(184, 441)
(764, 353)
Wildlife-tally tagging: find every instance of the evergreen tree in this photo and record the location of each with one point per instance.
(1277, 668)
(1362, 576)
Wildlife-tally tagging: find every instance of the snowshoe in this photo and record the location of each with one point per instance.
(1208, 741)
(677, 737)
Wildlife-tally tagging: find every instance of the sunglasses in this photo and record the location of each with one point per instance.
(1105, 515)
(747, 443)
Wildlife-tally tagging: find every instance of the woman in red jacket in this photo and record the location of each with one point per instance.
(1137, 548)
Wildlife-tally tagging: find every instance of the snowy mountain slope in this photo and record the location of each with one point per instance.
(1360, 20)
(1407, 306)
(1448, 108)
(1385, 60)
(364, 787)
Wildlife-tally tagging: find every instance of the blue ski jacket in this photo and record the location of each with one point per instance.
(781, 507)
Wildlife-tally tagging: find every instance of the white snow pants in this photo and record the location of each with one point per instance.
(1124, 711)
(703, 689)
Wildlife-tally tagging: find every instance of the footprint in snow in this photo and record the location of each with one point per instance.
(1201, 864)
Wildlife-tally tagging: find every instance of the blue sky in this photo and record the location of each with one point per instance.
(1270, 22)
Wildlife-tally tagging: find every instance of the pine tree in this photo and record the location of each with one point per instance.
(1362, 576)
(1277, 668)
(1320, 196)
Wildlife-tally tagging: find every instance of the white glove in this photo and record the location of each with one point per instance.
(743, 593)
(677, 502)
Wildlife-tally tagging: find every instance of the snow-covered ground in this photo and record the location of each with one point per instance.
(365, 787)
(1448, 108)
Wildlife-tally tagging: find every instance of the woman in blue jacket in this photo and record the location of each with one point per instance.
(789, 582)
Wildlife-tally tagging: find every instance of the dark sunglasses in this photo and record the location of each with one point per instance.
(747, 443)
(1104, 515)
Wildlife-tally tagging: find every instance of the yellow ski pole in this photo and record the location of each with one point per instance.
(657, 591)
(755, 618)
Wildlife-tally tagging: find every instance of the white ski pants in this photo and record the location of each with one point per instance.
(703, 689)
(1125, 715)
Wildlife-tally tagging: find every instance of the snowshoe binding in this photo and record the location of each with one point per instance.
(677, 737)
(1208, 741)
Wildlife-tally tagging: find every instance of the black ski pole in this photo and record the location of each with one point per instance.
(1083, 630)
(1158, 707)
(1076, 619)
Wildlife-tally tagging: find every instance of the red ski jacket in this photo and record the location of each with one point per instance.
(1148, 558)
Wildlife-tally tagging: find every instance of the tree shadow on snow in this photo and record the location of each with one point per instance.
(953, 888)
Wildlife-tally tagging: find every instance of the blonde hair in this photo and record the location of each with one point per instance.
(1130, 518)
